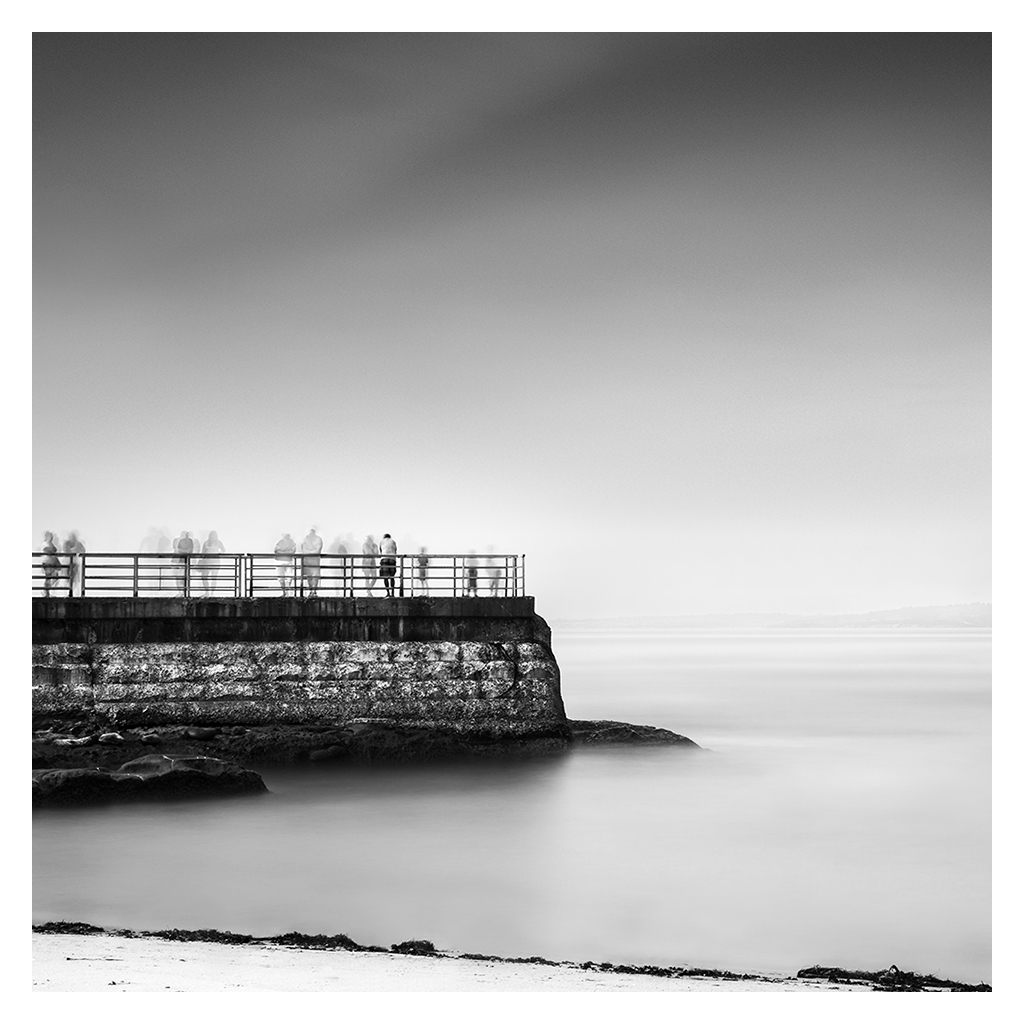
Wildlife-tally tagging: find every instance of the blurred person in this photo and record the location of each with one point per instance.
(183, 548)
(284, 552)
(75, 550)
(50, 563)
(344, 567)
(163, 548)
(493, 572)
(422, 563)
(471, 570)
(209, 564)
(155, 542)
(312, 545)
(389, 551)
(370, 553)
(334, 568)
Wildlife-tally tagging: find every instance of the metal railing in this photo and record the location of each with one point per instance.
(115, 574)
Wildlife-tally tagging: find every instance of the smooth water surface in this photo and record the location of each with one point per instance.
(840, 815)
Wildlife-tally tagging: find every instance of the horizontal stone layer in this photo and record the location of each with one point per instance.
(513, 716)
(468, 685)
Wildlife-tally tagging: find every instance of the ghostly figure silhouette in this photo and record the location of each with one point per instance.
(75, 550)
(151, 569)
(340, 567)
(494, 573)
(312, 545)
(422, 564)
(471, 571)
(184, 546)
(284, 551)
(370, 553)
(50, 563)
(209, 564)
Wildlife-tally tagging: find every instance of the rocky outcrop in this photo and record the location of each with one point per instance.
(359, 742)
(151, 777)
(85, 745)
(623, 732)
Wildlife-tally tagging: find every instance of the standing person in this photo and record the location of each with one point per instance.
(75, 549)
(471, 573)
(284, 552)
(312, 545)
(421, 570)
(50, 563)
(209, 563)
(389, 551)
(370, 553)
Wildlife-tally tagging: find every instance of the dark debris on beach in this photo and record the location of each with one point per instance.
(890, 980)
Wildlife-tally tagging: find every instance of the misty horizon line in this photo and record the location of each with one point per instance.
(904, 610)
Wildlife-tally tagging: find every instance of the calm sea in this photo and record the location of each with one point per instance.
(841, 814)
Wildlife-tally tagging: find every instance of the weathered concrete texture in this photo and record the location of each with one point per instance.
(174, 620)
(484, 687)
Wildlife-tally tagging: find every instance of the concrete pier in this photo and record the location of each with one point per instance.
(480, 666)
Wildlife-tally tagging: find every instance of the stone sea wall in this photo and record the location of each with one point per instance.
(484, 687)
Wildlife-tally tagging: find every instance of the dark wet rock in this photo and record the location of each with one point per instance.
(623, 732)
(376, 743)
(153, 777)
(354, 742)
(323, 754)
(67, 787)
(415, 947)
(201, 732)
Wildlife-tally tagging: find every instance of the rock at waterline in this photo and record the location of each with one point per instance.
(624, 732)
(153, 777)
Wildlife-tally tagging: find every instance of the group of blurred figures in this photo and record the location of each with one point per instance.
(375, 561)
(185, 565)
(58, 573)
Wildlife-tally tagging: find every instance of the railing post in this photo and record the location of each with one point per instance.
(135, 576)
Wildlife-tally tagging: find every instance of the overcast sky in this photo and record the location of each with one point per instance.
(700, 323)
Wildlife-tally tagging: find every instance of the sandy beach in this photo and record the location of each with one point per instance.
(103, 963)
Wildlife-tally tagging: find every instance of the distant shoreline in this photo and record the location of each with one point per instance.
(99, 960)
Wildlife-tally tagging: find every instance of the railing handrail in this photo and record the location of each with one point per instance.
(270, 554)
(292, 573)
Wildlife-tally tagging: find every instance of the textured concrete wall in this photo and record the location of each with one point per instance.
(497, 687)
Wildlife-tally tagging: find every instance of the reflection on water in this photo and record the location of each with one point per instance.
(841, 816)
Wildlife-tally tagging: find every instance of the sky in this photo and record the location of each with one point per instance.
(700, 323)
